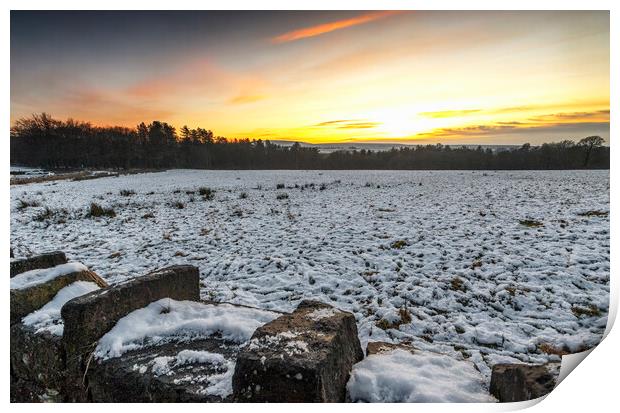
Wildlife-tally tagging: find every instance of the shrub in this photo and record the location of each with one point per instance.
(207, 193)
(148, 215)
(280, 186)
(97, 210)
(594, 214)
(282, 196)
(399, 244)
(21, 204)
(178, 205)
(589, 311)
(44, 215)
(127, 192)
(457, 284)
(531, 223)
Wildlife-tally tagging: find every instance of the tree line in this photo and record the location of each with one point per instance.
(41, 141)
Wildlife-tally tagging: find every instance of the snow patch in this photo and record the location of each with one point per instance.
(47, 318)
(423, 377)
(319, 314)
(167, 319)
(35, 277)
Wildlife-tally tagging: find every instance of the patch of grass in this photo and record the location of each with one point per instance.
(207, 193)
(531, 223)
(551, 349)
(457, 284)
(404, 318)
(476, 264)
(178, 205)
(280, 186)
(400, 244)
(282, 196)
(127, 192)
(593, 214)
(323, 187)
(97, 210)
(589, 311)
(22, 204)
(148, 215)
(44, 215)
(511, 290)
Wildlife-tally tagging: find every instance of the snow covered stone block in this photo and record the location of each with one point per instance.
(305, 356)
(520, 382)
(37, 365)
(199, 371)
(172, 351)
(89, 317)
(37, 355)
(32, 289)
(47, 260)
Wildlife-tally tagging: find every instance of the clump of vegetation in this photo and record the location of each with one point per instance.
(22, 204)
(457, 284)
(178, 205)
(400, 244)
(97, 210)
(551, 349)
(282, 196)
(44, 215)
(243, 195)
(404, 318)
(476, 264)
(207, 193)
(531, 223)
(589, 311)
(127, 192)
(148, 215)
(594, 214)
(280, 186)
(323, 187)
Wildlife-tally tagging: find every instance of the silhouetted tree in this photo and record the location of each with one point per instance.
(45, 142)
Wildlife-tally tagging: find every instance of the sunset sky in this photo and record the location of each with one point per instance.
(373, 76)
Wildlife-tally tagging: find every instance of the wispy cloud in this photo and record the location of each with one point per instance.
(567, 130)
(449, 113)
(332, 26)
(348, 124)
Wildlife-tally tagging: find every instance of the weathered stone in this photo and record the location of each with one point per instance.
(132, 377)
(520, 382)
(27, 300)
(37, 365)
(47, 260)
(305, 356)
(89, 317)
(378, 347)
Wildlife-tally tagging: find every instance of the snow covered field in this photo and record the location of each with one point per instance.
(444, 260)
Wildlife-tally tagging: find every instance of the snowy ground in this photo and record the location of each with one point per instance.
(439, 259)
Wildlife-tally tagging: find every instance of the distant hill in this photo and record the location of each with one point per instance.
(350, 146)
